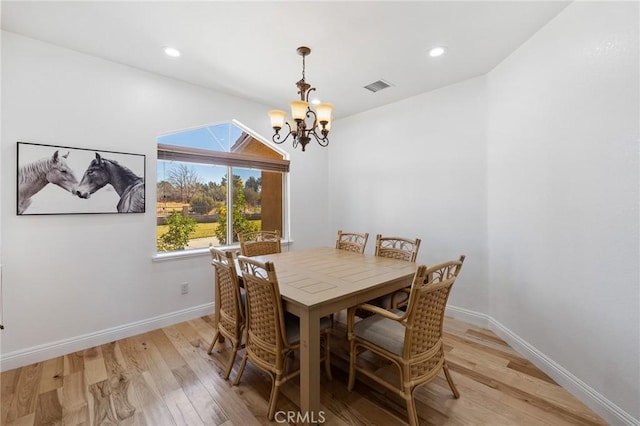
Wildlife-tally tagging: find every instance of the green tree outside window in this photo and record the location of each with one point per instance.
(240, 222)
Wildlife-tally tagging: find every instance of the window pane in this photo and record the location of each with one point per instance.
(246, 201)
(198, 138)
(190, 200)
(220, 137)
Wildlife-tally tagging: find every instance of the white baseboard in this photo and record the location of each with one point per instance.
(609, 411)
(472, 317)
(46, 351)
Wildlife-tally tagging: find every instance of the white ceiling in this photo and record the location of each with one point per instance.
(248, 49)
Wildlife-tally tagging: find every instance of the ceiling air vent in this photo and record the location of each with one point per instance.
(377, 86)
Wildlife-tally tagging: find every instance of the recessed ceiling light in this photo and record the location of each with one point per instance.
(172, 51)
(316, 101)
(437, 51)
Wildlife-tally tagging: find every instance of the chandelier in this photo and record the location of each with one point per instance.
(300, 112)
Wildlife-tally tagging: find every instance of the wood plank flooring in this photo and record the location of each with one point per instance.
(165, 377)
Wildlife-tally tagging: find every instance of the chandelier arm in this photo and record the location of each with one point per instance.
(312, 113)
(323, 141)
(311, 89)
(277, 137)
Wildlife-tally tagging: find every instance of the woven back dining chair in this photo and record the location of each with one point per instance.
(411, 340)
(400, 298)
(259, 243)
(272, 335)
(397, 248)
(394, 248)
(352, 241)
(229, 307)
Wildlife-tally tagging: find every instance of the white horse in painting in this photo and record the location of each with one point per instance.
(35, 176)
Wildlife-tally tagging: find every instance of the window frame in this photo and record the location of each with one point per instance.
(165, 152)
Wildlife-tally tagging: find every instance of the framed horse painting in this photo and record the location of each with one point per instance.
(64, 180)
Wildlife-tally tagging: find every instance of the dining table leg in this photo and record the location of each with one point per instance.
(310, 367)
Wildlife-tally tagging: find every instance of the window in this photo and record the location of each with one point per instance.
(215, 182)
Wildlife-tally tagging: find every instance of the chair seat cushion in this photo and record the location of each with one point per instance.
(401, 297)
(383, 332)
(383, 302)
(292, 324)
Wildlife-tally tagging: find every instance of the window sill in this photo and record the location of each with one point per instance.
(176, 255)
(200, 252)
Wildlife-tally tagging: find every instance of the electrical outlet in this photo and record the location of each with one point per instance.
(184, 288)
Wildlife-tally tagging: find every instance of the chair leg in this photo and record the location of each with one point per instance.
(275, 388)
(452, 385)
(213, 342)
(411, 409)
(241, 370)
(352, 366)
(231, 361)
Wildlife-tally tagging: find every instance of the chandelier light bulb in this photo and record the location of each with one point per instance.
(298, 109)
(324, 113)
(277, 118)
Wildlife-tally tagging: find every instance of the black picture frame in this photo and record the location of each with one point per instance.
(49, 180)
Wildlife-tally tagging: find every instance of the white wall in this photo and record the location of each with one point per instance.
(532, 171)
(85, 279)
(417, 169)
(309, 193)
(563, 195)
(1, 293)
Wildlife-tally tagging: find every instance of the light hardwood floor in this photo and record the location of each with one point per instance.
(165, 377)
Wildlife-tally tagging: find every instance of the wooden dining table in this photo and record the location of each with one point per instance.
(320, 281)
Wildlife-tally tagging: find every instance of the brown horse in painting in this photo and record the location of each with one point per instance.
(129, 187)
(35, 176)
